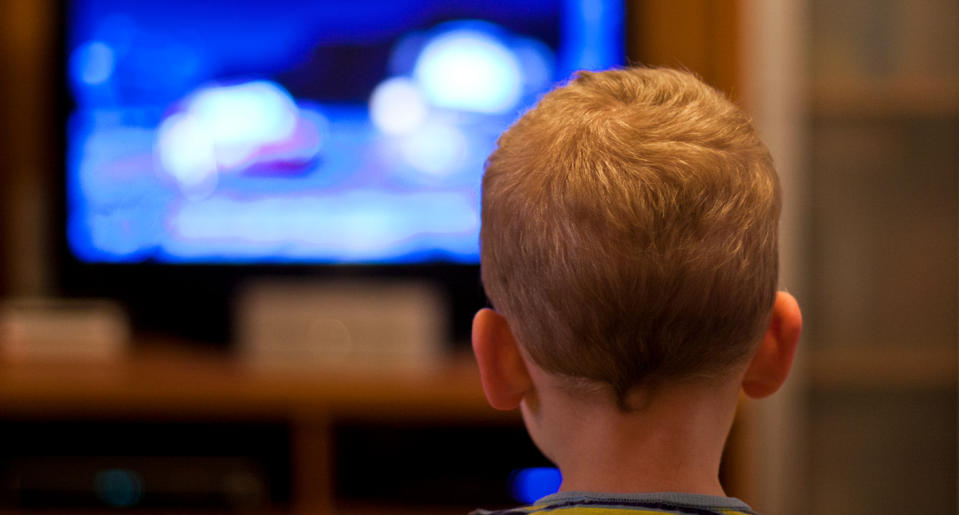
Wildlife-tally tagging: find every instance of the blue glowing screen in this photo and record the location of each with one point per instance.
(283, 131)
(531, 484)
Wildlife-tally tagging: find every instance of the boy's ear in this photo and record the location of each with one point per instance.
(769, 367)
(503, 372)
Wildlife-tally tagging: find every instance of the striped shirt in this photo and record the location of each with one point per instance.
(668, 503)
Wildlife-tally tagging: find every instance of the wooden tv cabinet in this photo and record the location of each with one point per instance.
(169, 383)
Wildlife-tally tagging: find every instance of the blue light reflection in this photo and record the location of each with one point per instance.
(529, 485)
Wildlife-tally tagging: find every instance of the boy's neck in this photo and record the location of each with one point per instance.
(672, 444)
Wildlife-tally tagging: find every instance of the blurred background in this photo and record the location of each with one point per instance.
(201, 377)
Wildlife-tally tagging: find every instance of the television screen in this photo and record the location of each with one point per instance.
(283, 131)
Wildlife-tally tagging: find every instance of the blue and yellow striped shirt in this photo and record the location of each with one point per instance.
(668, 503)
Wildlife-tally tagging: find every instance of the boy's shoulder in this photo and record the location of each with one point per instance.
(586, 503)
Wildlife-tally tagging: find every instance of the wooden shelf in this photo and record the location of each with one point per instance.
(170, 385)
(178, 382)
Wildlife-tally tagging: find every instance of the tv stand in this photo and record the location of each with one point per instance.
(314, 419)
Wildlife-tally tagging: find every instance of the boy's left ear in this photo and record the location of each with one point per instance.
(503, 372)
(770, 365)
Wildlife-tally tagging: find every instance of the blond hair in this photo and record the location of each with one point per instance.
(629, 230)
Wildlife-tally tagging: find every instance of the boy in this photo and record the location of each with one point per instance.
(629, 248)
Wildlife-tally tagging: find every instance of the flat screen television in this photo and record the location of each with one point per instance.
(208, 142)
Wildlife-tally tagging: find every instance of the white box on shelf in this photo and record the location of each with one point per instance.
(362, 323)
(49, 328)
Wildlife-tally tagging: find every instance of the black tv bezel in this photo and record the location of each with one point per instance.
(194, 303)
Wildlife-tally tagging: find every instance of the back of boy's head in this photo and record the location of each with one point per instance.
(629, 230)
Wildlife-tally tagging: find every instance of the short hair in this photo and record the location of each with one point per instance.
(629, 230)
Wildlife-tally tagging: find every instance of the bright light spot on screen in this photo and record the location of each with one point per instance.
(232, 128)
(397, 106)
(186, 151)
(529, 485)
(92, 63)
(245, 114)
(119, 488)
(470, 70)
(437, 148)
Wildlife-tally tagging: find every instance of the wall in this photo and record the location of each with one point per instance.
(28, 98)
